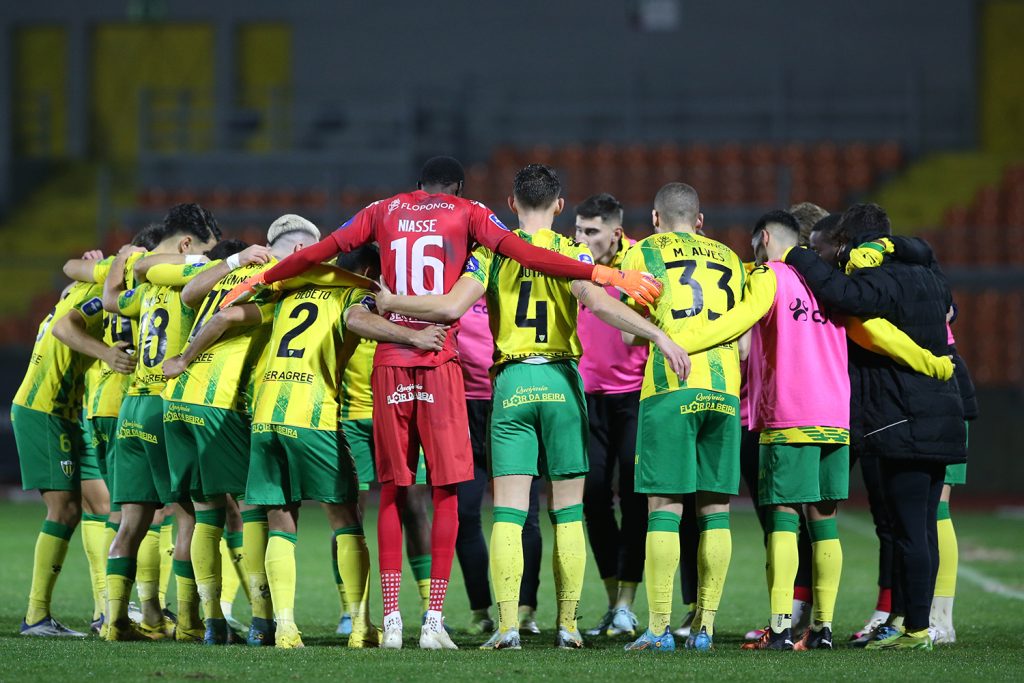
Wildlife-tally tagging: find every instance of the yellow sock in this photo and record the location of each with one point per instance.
(280, 565)
(660, 567)
(507, 564)
(945, 581)
(166, 557)
(232, 575)
(254, 551)
(147, 579)
(188, 595)
(714, 552)
(51, 549)
(783, 562)
(827, 559)
(206, 560)
(354, 568)
(570, 558)
(120, 576)
(94, 541)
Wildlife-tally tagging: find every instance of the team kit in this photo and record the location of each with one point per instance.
(186, 395)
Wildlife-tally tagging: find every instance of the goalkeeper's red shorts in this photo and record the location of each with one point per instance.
(414, 407)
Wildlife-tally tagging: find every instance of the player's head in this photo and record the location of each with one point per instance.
(189, 229)
(365, 260)
(861, 219)
(826, 240)
(289, 233)
(599, 225)
(225, 248)
(774, 233)
(149, 236)
(442, 175)
(677, 208)
(807, 214)
(536, 188)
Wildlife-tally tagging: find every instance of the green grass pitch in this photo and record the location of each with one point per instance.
(990, 624)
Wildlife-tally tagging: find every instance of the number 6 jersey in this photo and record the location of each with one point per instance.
(703, 279)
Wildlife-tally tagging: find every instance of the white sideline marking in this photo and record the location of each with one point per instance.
(964, 571)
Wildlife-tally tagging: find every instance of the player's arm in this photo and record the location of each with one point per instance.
(617, 314)
(73, 332)
(146, 263)
(435, 308)
(486, 229)
(198, 287)
(867, 293)
(247, 315)
(368, 325)
(114, 285)
(882, 337)
(323, 275)
(758, 298)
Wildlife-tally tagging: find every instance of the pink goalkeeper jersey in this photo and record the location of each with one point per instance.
(608, 365)
(476, 351)
(797, 369)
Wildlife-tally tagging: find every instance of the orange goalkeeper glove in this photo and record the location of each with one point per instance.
(243, 291)
(642, 288)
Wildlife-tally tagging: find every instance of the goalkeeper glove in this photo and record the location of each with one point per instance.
(643, 288)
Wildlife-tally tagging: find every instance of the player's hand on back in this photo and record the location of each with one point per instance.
(243, 291)
(677, 357)
(643, 288)
(130, 249)
(384, 297)
(92, 255)
(430, 338)
(119, 359)
(174, 366)
(257, 253)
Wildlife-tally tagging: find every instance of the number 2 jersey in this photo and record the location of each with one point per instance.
(298, 384)
(424, 242)
(531, 315)
(702, 279)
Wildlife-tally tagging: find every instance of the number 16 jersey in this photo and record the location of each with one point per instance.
(702, 279)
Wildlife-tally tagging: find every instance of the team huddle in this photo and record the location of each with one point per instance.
(427, 348)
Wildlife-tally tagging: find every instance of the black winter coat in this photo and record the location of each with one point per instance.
(894, 412)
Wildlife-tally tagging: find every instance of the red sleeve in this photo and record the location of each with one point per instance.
(486, 229)
(356, 232)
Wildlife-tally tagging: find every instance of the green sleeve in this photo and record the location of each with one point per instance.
(758, 296)
(176, 274)
(479, 265)
(129, 303)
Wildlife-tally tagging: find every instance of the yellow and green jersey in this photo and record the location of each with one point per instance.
(298, 385)
(356, 396)
(104, 387)
(55, 380)
(532, 316)
(220, 376)
(164, 326)
(702, 280)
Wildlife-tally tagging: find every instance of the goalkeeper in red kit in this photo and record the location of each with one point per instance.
(425, 237)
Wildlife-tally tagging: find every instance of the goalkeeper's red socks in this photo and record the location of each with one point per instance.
(443, 533)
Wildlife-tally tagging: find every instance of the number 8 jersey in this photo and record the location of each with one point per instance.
(703, 279)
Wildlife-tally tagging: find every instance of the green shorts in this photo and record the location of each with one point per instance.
(291, 464)
(539, 421)
(104, 434)
(359, 435)
(89, 464)
(49, 450)
(207, 450)
(803, 473)
(688, 440)
(140, 469)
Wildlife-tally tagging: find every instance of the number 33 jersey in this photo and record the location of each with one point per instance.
(703, 279)
(531, 315)
(298, 382)
(424, 241)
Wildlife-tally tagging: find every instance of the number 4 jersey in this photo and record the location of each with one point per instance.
(531, 315)
(703, 279)
(424, 241)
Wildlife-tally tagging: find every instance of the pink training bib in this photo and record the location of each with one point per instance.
(476, 351)
(608, 365)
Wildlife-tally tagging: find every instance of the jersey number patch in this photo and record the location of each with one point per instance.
(154, 337)
(420, 264)
(689, 267)
(308, 312)
(540, 320)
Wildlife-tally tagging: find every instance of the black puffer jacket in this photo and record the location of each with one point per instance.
(895, 412)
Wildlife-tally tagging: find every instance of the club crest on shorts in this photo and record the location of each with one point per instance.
(67, 467)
